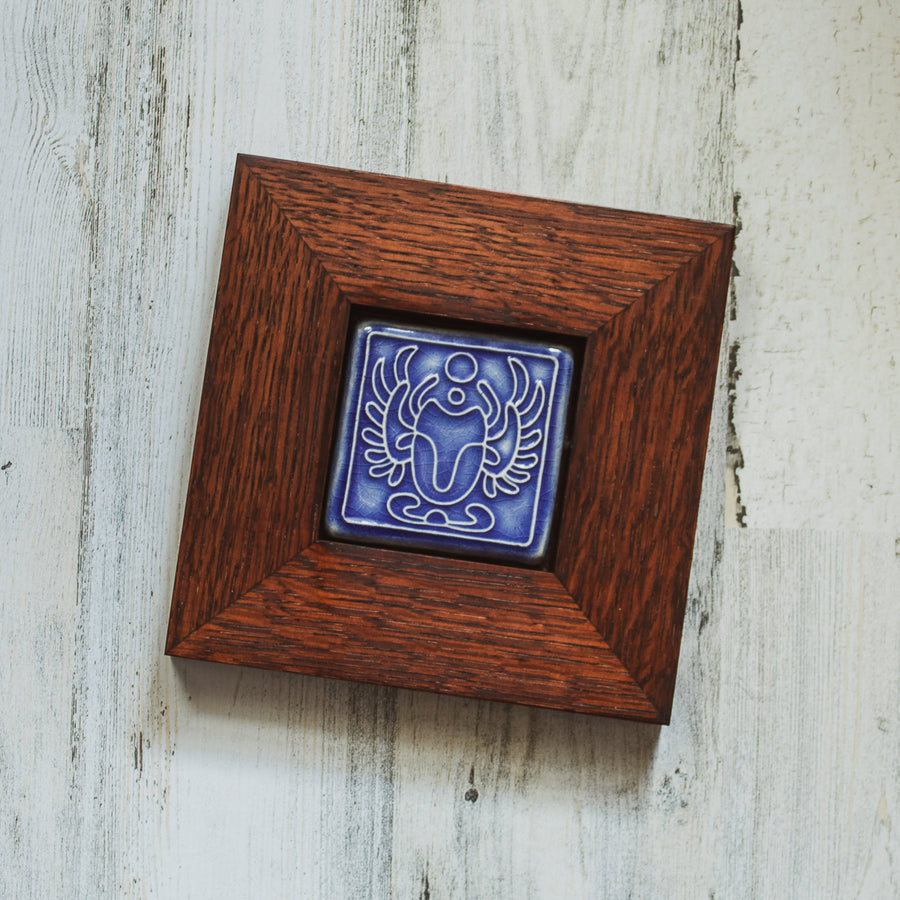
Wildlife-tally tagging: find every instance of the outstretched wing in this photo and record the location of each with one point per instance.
(509, 460)
(387, 415)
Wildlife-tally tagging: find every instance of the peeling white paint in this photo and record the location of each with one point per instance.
(818, 317)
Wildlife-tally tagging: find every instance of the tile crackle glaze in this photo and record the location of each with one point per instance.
(449, 441)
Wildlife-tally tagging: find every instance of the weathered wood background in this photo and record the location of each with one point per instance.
(124, 773)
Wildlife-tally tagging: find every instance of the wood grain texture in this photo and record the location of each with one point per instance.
(489, 257)
(471, 630)
(258, 472)
(625, 547)
(37, 617)
(254, 585)
(126, 774)
(834, 303)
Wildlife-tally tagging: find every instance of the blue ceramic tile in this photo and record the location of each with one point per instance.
(449, 441)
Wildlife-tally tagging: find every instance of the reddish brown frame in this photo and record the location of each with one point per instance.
(257, 585)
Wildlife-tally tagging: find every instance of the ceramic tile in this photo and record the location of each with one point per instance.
(449, 441)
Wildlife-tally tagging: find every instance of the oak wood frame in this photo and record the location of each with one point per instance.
(257, 585)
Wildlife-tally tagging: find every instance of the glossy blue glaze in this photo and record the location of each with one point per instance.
(449, 441)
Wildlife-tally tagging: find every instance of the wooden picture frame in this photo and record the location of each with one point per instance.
(640, 297)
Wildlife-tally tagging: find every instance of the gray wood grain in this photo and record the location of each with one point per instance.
(127, 774)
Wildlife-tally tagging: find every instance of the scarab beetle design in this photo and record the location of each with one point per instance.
(449, 440)
(450, 444)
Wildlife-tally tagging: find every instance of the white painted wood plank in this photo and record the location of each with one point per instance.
(625, 105)
(45, 146)
(44, 238)
(40, 511)
(809, 695)
(818, 323)
(275, 784)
